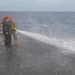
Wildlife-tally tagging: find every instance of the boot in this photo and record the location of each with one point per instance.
(4, 40)
(15, 41)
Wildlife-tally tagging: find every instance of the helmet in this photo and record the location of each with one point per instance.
(11, 17)
(3, 17)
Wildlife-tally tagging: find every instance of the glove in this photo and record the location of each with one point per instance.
(15, 28)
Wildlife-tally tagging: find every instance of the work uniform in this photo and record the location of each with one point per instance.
(0, 27)
(13, 31)
(7, 32)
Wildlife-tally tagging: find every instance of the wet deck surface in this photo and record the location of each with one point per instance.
(32, 57)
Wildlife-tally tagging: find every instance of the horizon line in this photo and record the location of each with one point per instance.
(37, 11)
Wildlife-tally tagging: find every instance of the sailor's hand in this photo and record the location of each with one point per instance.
(6, 32)
(15, 28)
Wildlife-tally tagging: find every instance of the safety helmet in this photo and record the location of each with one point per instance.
(11, 17)
(3, 17)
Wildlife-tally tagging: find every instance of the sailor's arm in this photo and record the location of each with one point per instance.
(0, 24)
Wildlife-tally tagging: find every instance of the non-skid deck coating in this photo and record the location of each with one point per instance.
(32, 57)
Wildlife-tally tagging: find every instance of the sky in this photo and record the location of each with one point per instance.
(37, 5)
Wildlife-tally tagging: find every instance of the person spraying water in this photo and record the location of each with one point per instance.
(13, 29)
(5, 24)
(7, 31)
